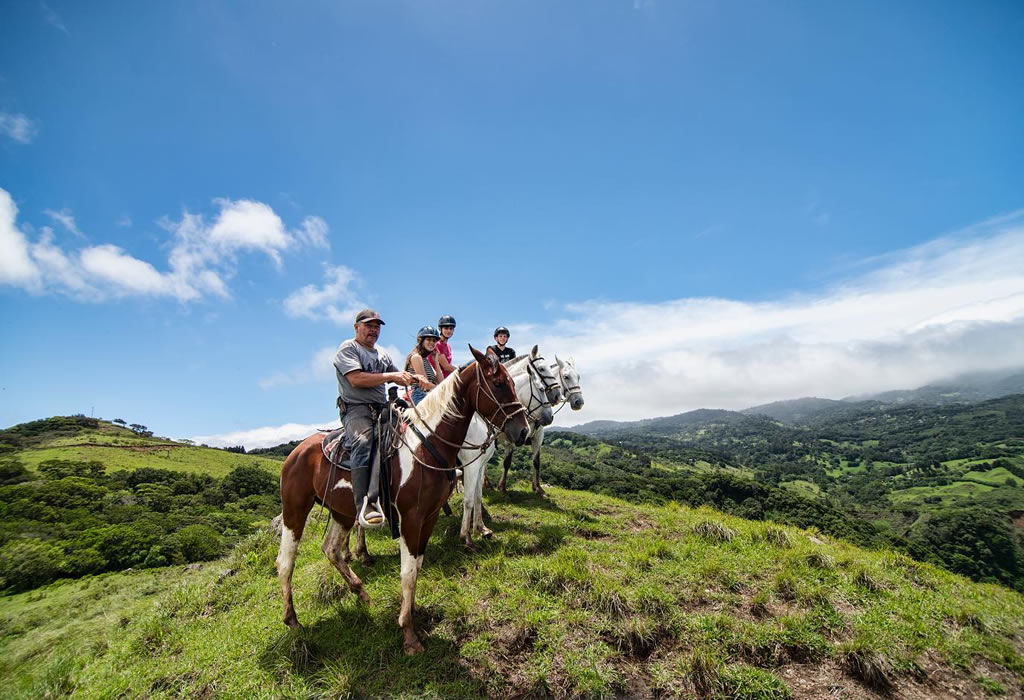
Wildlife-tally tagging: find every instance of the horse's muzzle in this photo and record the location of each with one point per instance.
(518, 437)
(547, 416)
(576, 404)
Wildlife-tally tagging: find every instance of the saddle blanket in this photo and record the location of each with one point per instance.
(332, 447)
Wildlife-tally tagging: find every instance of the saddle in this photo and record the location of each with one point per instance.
(333, 446)
(386, 443)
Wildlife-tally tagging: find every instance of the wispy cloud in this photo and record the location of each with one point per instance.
(950, 306)
(65, 219)
(52, 18)
(265, 437)
(17, 127)
(320, 368)
(204, 254)
(336, 301)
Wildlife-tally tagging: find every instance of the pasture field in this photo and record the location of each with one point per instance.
(118, 448)
(577, 595)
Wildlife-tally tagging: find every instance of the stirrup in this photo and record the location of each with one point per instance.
(369, 517)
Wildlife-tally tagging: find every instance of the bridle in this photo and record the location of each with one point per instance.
(548, 386)
(541, 401)
(492, 429)
(568, 391)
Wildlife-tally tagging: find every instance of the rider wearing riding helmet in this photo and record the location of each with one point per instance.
(446, 326)
(503, 352)
(421, 360)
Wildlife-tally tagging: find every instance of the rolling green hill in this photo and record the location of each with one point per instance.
(578, 595)
(83, 439)
(906, 471)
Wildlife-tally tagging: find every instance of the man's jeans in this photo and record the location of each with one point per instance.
(359, 422)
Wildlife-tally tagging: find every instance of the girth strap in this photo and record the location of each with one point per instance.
(442, 462)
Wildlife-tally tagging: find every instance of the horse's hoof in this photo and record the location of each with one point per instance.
(487, 534)
(364, 596)
(293, 622)
(366, 560)
(412, 648)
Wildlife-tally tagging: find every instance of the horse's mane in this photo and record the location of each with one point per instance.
(440, 401)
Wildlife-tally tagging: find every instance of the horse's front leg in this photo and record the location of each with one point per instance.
(410, 570)
(471, 473)
(505, 465)
(538, 440)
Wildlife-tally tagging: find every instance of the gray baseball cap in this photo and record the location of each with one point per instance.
(368, 315)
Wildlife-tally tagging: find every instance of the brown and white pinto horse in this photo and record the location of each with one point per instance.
(417, 490)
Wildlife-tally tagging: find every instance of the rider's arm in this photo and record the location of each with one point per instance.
(444, 364)
(368, 380)
(417, 367)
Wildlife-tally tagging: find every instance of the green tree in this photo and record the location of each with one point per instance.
(25, 564)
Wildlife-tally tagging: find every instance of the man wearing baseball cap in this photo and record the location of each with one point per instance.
(362, 372)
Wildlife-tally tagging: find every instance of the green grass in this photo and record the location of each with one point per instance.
(118, 448)
(957, 491)
(803, 487)
(577, 595)
(993, 477)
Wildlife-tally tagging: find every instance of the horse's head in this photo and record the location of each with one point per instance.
(552, 387)
(531, 393)
(495, 398)
(570, 382)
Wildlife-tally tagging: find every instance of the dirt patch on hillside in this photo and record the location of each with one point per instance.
(159, 447)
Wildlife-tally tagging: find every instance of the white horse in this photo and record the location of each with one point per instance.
(569, 383)
(535, 382)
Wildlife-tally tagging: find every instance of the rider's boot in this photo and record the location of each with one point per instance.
(367, 511)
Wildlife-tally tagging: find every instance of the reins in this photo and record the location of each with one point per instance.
(492, 430)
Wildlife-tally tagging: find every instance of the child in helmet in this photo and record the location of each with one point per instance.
(446, 326)
(503, 352)
(421, 359)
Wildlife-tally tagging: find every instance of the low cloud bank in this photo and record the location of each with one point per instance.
(265, 437)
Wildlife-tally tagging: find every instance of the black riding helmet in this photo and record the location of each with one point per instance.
(446, 320)
(428, 332)
(501, 329)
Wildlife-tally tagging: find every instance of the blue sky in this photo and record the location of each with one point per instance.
(707, 203)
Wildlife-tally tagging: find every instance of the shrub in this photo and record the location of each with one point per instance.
(195, 543)
(26, 564)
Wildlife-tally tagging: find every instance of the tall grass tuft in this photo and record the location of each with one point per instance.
(714, 531)
(867, 666)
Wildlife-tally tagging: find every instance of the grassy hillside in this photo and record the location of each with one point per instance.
(905, 472)
(85, 439)
(579, 594)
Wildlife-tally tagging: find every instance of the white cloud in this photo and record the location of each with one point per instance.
(17, 127)
(950, 306)
(65, 219)
(16, 266)
(265, 437)
(110, 264)
(335, 301)
(314, 232)
(203, 254)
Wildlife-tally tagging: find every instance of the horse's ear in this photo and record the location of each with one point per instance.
(561, 365)
(533, 353)
(480, 357)
(489, 361)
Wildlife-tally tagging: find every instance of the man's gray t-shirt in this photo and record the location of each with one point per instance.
(353, 356)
